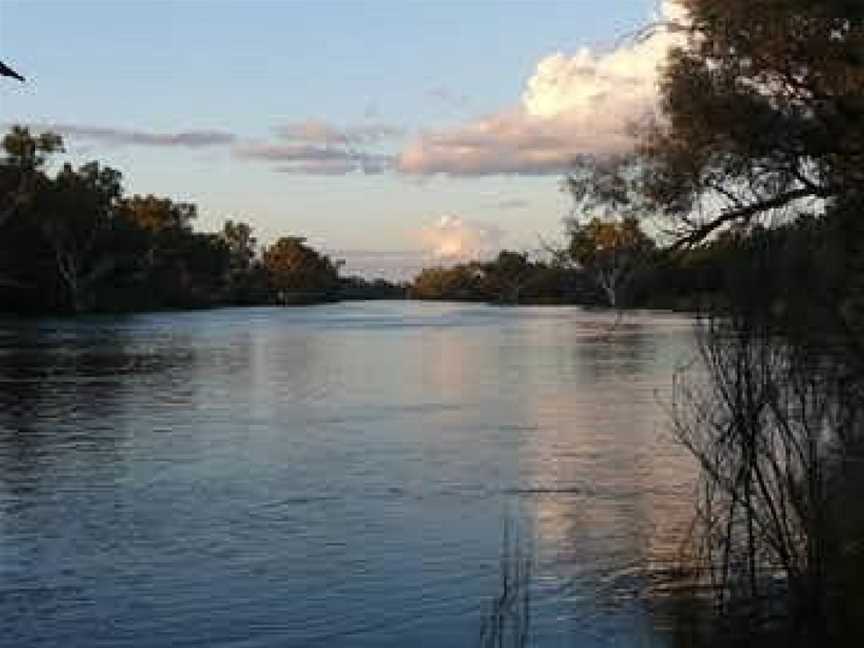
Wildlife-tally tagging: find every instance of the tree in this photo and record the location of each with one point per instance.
(175, 259)
(297, 271)
(241, 244)
(76, 213)
(505, 276)
(247, 280)
(72, 241)
(762, 110)
(24, 157)
(610, 251)
(159, 214)
(611, 246)
(463, 281)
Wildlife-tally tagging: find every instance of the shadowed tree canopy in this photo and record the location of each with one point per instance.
(76, 214)
(72, 242)
(241, 244)
(762, 110)
(295, 268)
(24, 156)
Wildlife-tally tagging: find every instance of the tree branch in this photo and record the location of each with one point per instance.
(746, 213)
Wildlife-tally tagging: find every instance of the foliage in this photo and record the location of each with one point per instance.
(757, 157)
(510, 278)
(611, 251)
(763, 110)
(356, 288)
(21, 169)
(73, 242)
(75, 214)
(295, 270)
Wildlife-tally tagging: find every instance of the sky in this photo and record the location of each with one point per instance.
(391, 133)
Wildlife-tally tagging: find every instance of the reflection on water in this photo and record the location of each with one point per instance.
(335, 475)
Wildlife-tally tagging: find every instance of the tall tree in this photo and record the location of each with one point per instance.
(611, 251)
(762, 110)
(241, 244)
(76, 213)
(604, 234)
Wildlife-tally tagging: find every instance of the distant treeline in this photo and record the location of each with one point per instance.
(73, 242)
(705, 277)
(510, 278)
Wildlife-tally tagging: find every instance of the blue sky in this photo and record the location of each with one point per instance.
(402, 123)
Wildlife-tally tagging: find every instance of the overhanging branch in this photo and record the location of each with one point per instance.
(746, 213)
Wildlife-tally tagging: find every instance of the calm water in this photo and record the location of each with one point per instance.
(336, 475)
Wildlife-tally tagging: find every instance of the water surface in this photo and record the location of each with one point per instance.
(336, 475)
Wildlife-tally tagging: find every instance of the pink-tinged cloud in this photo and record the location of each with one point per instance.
(316, 147)
(131, 137)
(586, 103)
(321, 132)
(452, 239)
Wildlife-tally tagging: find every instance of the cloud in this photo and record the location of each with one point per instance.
(452, 238)
(316, 131)
(315, 147)
(130, 137)
(311, 147)
(585, 103)
(316, 159)
(333, 167)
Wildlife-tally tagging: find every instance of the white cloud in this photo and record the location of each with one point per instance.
(453, 239)
(587, 102)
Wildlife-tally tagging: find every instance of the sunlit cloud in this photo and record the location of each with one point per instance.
(585, 103)
(453, 238)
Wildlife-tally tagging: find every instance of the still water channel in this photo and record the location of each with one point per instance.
(340, 475)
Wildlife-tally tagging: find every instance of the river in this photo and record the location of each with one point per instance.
(347, 474)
